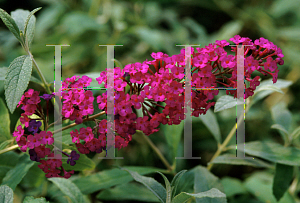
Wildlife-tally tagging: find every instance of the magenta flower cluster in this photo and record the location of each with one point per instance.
(153, 89)
(39, 142)
(160, 83)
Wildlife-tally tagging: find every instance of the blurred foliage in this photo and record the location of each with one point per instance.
(143, 27)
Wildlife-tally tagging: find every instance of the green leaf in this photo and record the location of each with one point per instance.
(268, 87)
(233, 186)
(30, 199)
(212, 193)
(34, 79)
(168, 187)
(204, 180)
(280, 128)
(4, 144)
(6, 194)
(295, 134)
(281, 115)
(29, 26)
(10, 23)
(186, 183)
(83, 163)
(232, 160)
(210, 121)
(20, 15)
(16, 174)
(34, 178)
(5, 123)
(108, 178)
(176, 180)
(69, 189)
(282, 179)
(155, 187)
(3, 71)
(173, 135)
(283, 132)
(272, 152)
(128, 191)
(8, 161)
(261, 94)
(260, 185)
(16, 80)
(226, 102)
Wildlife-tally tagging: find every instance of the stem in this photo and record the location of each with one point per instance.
(9, 149)
(55, 123)
(156, 150)
(156, 104)
(228, 138)
(154, 109)
(74, 124)
(46, 85)
(40, 74)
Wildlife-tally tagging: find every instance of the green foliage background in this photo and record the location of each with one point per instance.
(143, 27)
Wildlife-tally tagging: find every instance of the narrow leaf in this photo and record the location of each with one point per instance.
(271, 151)
(128, 191)
(295, 134)
(168, 188)
(227, 102)
(268, 87)
(283, 132)
(173, 135)
(232, 160)
(10, 23)
(282, 180)
(69, 189)
(281, 115)
(212, 193)
(83, 163)
(155, 187)
(204, 180)
(16, 174)
(176, 180)
(210, 121)
(30, 26)
(19, 16)
(6, 194)
(5, 123)
(280, 128)
(259, 184)
(109, 178)
(261, 94)
(4, 144)
(16, 80)
(233, 186)
(30, 199)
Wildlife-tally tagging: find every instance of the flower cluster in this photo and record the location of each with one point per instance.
(38, 141)
(160, 83)
(91, 143)
(78, 102)
(146, 95)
